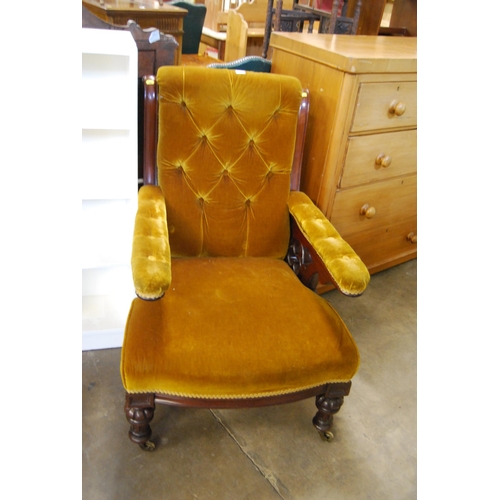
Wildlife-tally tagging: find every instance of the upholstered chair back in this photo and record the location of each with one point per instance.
(224, 160)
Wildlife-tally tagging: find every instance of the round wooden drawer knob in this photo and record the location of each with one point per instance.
(367, 211)
(412, 237)
(383, 160)
(397, 108)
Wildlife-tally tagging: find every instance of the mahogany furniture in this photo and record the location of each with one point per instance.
(360, 162)
(280, 19)
(335, 20)
(226, 252)
(155, 49)
(146, 13)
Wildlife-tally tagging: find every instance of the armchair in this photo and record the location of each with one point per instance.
(223, 256)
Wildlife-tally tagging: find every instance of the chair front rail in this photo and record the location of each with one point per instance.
(331, 390)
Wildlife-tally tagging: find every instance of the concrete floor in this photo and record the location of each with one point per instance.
(273, 453)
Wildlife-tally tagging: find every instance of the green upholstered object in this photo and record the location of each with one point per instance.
(193, 25)
(248, 63)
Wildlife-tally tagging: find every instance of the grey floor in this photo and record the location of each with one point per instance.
(273, 453)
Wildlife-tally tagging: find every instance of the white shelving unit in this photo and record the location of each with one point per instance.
(108, 183)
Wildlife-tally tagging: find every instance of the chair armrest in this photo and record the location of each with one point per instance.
(338, 262)
(151, 267)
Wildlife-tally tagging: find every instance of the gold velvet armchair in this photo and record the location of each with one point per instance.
(225, 252)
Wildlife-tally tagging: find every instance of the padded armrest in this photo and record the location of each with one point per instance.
(343, 265)
(151, 268)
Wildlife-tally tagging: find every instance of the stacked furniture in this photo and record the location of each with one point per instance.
(169, 19)
(239, 32)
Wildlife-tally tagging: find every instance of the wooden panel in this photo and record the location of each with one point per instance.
(325, 87)
(393, 200)
(373, 108)
(385, 246)
(352, 54)
(236, 41)
(370, 16)
(167, 18)
(404, 15)
(214, 8)
(367, 157)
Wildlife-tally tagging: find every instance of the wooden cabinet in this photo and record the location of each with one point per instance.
(108, 183)
(169, 19)
(360, 162)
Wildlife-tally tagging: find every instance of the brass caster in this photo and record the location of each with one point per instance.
(147, 446)
(326, 436)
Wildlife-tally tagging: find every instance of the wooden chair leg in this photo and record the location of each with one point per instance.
(328, 404)
(139, 410)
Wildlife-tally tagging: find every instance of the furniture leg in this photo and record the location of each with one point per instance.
(328, 404)
(139, 410)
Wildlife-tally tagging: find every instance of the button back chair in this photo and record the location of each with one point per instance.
(225, 252)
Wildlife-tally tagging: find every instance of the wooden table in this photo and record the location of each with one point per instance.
(360, 161)
(146, 13)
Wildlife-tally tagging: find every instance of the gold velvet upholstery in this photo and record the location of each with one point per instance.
(236, 204)
(235, 327)
(346, 269)
(225, 317)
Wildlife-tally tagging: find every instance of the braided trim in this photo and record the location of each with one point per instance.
(239, 396)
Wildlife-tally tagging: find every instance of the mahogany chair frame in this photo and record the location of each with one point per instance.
(139, 408)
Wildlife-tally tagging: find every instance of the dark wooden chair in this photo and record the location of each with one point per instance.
(226, 253)
(279, 19)
(330, 21)
(155, 49)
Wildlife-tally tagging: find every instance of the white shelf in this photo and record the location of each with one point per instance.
(106, 162)
(109, 79)
(108, 183)
(107, 42)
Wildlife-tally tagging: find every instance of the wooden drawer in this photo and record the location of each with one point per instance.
(388, 245)
(393, 200)
(376, 101)
(372, 158)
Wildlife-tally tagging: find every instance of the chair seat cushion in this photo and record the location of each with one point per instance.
(235, 328)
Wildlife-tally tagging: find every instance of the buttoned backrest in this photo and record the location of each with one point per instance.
(226, 143)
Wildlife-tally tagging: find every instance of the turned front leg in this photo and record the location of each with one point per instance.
(328, 404)
(139, 410)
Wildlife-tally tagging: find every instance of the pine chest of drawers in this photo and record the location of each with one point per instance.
(360, 161)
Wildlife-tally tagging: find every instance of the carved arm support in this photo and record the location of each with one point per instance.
(320, 252)
(151, 265)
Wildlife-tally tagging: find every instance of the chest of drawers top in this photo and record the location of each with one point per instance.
(352, 54)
